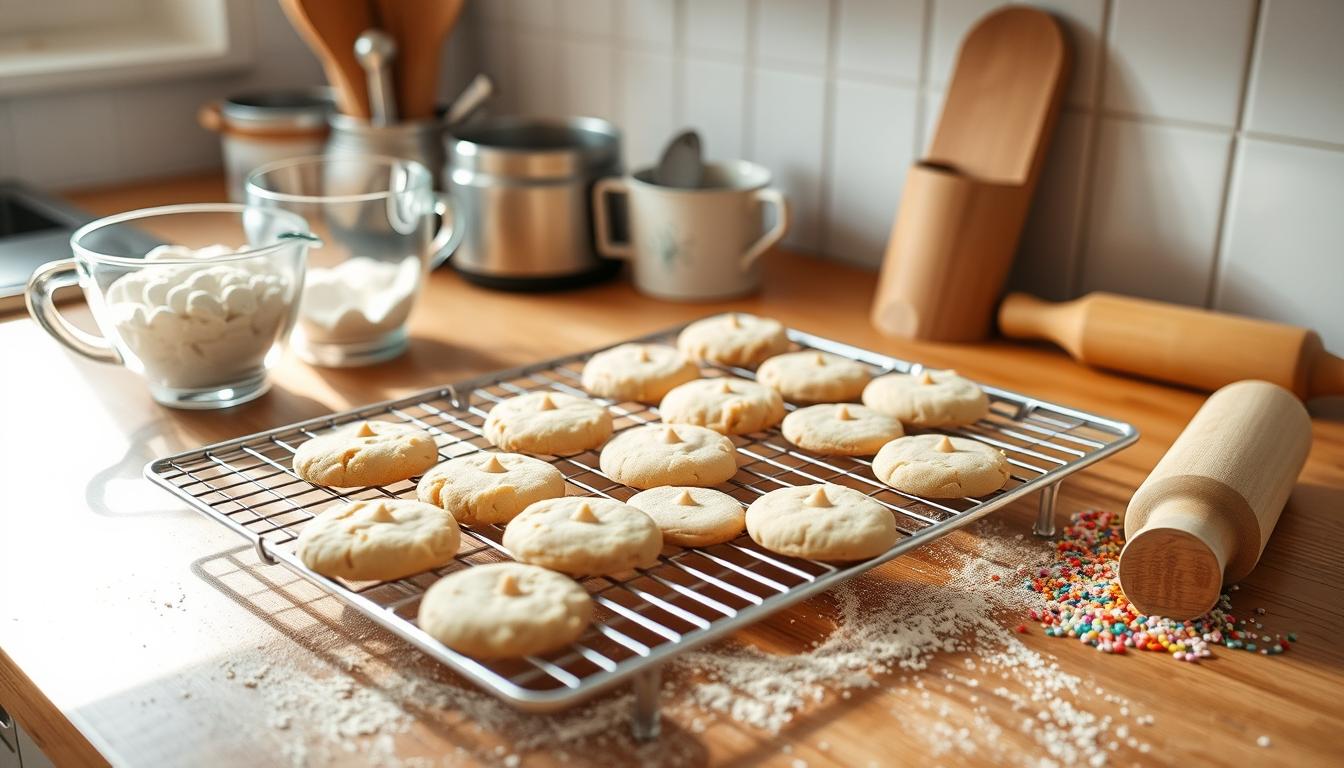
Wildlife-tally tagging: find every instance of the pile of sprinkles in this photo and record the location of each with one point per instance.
(1084, 601)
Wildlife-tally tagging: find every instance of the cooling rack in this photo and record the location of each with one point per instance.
(643, 618)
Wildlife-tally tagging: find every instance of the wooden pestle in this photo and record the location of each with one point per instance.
(1182, 345)
(1205, 513)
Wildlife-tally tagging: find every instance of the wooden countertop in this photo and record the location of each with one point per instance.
(122, 609)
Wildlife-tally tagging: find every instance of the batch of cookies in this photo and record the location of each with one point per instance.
(533, 605)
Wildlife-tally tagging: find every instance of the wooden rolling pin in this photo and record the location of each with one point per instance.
(1205, 513)
(1181, 345)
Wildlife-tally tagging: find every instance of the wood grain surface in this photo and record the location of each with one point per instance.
(121, 610)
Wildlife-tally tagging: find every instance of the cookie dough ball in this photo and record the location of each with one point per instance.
(726, 405)
(668, 454)
(734, 339)
(841, 429)
(928, 398)
(692, 517)
(643, 373)
(505, 610)
(487, 488)
(550, 423)
(366, 453)
(814, 377)
(941, 467)
(821, 522)
(584, 536)
(378, 540)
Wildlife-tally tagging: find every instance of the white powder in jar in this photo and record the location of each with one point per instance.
(199, 326)
(359, 299)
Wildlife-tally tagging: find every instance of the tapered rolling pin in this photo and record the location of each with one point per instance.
(1205, 513)
(1181, 345)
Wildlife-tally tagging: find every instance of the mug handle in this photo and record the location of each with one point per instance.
(41, 306)
(602, 219)
(449, 236)
(768, 196)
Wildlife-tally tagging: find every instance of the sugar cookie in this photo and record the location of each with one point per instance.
(583, 536)
(486, 488)
(927, 399)
(726, 405)
(504, 610)
(378, 540)
(734, 338)
(668, 454)
(821, 522)
(366, 453)
(549, 423)
(842, 429)
(639, 372)
(814, 377)
(692, 517)
(941, 467)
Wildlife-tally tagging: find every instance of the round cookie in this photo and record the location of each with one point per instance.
(734, 339)
(941, 467)
(726, 405)
(927, 399)
(378, 540)
(583, 536)
(550, 423)
(692, 517)
(840, 429)
(666, 454)
(486, 488)
(821, 522)
(814, 377)
(366, 453)
(505, 610)
(639, 372)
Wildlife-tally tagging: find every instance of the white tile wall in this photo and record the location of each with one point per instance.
(1297, 83)
(1156, 200)
(873, 146)
(1282, 257)
(1181, 60)
(1169, 100)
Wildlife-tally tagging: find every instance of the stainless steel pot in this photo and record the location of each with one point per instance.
(522, 191)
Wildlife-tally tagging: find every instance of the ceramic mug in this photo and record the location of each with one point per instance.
(694, 244)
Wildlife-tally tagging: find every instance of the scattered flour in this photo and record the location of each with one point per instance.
(886, 635)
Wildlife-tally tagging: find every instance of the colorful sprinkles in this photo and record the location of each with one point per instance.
(1084, 601)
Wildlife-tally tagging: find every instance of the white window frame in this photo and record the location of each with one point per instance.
(180, 38)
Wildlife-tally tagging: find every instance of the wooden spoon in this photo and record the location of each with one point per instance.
(330, 28)
(420, 28)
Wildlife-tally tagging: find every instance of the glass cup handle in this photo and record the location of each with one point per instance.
(42, 307)
(449, 235)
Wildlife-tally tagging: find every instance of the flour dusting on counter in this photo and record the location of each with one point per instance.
(890, 637)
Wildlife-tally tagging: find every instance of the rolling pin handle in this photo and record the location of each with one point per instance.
(1045, 518)
(645, 721)
(1023, 316)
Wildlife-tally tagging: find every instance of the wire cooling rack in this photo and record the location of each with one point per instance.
(692, 595)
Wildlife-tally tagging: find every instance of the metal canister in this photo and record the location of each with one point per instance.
(260, 127)
(522, 190)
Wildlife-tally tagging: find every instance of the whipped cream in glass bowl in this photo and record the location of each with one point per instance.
(202, 322)
(383, 227)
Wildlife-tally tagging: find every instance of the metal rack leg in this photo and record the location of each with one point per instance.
(1045, 518)
(644, 720)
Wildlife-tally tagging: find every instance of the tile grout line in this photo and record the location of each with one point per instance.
(1254, 47)
(829, 98)
(679, 58)
(749, 82)
(1091, 152)
(922, 89)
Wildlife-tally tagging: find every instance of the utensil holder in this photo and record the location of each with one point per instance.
(964, 205)
(418, 140)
